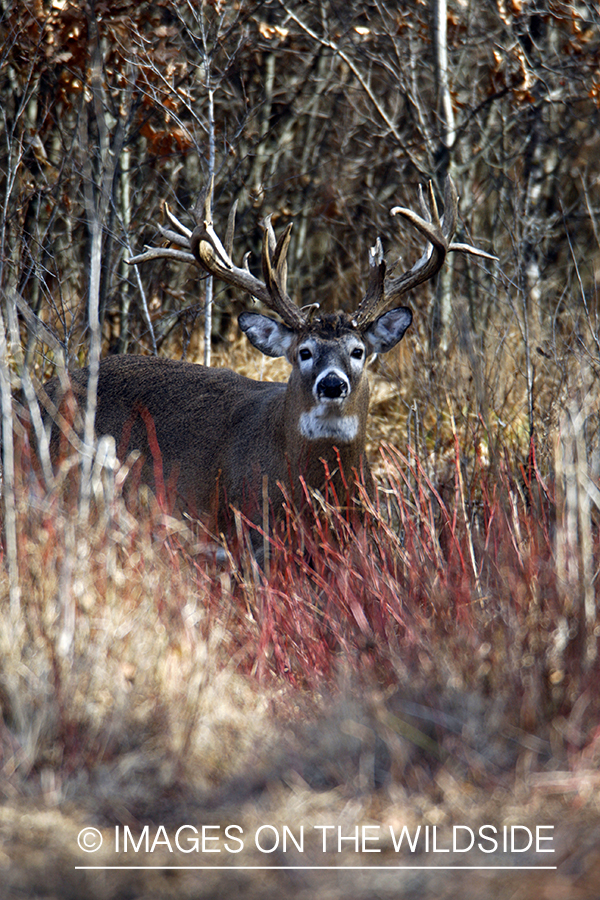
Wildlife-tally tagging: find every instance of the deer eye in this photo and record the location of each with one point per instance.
(357, 353)
(304, 354)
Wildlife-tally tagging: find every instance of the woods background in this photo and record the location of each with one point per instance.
(326, 114)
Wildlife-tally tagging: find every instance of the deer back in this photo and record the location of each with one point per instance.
(202, 429)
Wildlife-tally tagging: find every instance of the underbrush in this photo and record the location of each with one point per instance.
(458, 619)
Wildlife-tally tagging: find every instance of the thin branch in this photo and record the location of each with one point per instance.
(331, 45)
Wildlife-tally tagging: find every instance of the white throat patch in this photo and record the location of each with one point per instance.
(322, 423)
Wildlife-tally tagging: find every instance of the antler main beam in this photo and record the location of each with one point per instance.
(439, 233)
(207, 249)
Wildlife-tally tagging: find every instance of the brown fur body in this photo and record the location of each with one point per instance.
(218, 434)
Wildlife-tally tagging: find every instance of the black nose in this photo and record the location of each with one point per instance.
(332, 387)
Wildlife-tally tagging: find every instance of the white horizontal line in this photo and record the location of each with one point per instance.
(332, 868)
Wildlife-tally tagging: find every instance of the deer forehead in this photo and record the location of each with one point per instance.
(347, 351)
(330, 336)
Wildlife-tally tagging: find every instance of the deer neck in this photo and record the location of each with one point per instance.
(320, 442)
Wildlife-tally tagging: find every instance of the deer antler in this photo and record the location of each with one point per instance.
(439, 233)
(216, 260)
(180, 237)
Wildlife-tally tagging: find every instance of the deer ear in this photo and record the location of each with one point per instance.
(386, 331)
(270, 337)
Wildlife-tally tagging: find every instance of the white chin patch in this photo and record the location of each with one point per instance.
(323, 424)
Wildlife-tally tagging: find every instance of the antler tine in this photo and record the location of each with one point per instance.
(274, 266)
(373, 299)
(230, 229)
(280, 256)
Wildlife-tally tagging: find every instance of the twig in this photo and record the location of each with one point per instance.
(8, 478)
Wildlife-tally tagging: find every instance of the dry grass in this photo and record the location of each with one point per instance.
(438, 667)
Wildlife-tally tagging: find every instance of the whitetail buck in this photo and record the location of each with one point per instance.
(220, 437)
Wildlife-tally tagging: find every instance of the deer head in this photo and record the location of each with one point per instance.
(328, 353)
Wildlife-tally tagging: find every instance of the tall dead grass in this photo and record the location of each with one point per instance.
(448, 644)
(484, 582)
